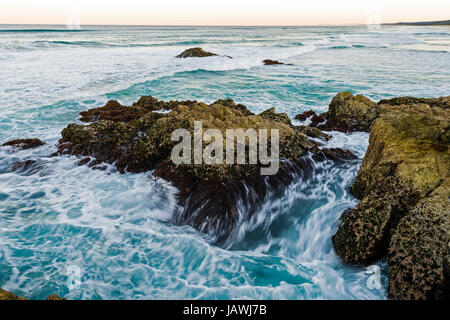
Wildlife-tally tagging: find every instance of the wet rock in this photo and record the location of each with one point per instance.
(269, 62)
(55, 297)
(347, 113)
(27, 167)
(112, 111)
(314, 132)
(6, 295)
(403, 187)
(418, 249)
(271, 115)
(84, 161)
(334, 154)
(24, 143)
(195, 53)
(209, 193)
(305, 115)
(442, 102)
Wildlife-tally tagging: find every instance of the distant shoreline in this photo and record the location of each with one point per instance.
(422, 23)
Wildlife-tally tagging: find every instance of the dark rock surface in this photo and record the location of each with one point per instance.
(195, 53)
(305, 115)
(23, 144)
(269, 62)
(347, 113)
(138, 138)
(403, 184)
(6, 295)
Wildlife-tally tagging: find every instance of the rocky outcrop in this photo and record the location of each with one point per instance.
(23, 144)
(195, 53)
(6, 295)
(403, 184)
(55, 297)
(346, 113)
(269, 62)
(442, 102)
(213, 197)
(305, 115)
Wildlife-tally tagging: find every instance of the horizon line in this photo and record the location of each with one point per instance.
(205, 25)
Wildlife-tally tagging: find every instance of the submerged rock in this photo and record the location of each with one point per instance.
(55, 297)
(214, 198)
(27, 167)
(23, 144)
(403, 184)
(269, 62)
(195, 53)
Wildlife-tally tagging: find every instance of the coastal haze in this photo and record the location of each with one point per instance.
(232, 12)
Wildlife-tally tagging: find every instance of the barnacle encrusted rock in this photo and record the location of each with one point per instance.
(214, 197)
(269, 62)
(348, 113)
(23, 144)
(403, 184)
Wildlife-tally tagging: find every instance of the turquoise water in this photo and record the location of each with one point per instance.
(88, 234)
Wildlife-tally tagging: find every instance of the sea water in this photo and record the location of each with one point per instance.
(89, 234)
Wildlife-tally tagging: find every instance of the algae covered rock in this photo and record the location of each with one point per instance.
(347, 113)
(195, 53)
(418, 250)
(305, 115)
(55, 297)
(6, 295)
(403, 187)
(214, 196)
(442, 102)
(23, 144)
(269, 62)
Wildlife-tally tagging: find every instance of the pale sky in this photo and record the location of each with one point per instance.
(225, 12)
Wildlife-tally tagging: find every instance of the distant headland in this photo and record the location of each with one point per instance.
(423, 23)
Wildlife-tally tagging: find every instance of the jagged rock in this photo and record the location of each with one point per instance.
(195, 53)
(403, 184)
(209, 194)
(6, 295)
(347, 113)
(27, 167)
(418, 249)
(269, 62)
(305, 115)
(335, 154)
(314, 132)
(55, 297)
(270, 114)
(442, 102)
(24, 143)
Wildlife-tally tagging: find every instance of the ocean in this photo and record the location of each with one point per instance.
(90, 234)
